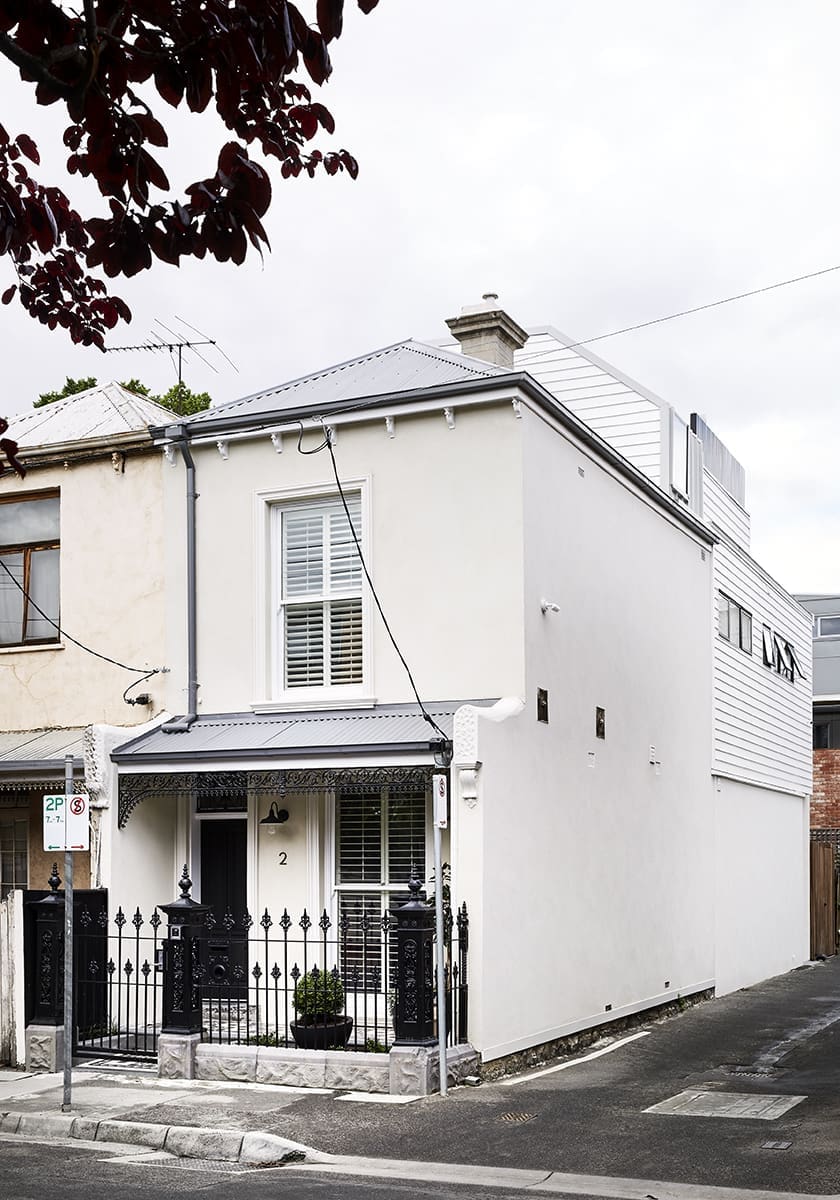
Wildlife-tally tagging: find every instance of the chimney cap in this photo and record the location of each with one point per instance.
(486, 331)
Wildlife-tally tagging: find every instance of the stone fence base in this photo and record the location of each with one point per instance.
(404, 1071)
(44, 1048)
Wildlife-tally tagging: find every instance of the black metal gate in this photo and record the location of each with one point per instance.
(119, 990)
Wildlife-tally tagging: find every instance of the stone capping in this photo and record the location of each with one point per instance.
(352, 1070)
(404, 1071)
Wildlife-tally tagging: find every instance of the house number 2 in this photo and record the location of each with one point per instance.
(282, 858)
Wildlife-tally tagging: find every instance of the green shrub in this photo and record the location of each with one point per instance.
(319, 994)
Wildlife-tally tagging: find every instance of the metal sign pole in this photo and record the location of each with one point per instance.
(68, 942)
(440, 820)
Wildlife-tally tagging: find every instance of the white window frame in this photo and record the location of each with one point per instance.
(270, 690)
(25, 549)
(818, 620)
(382, 889)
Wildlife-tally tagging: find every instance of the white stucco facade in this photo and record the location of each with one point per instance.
(562, 601)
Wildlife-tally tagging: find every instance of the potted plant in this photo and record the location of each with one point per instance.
(319, 1000)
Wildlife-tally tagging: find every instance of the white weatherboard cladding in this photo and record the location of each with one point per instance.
(762, 720)
(721, 510)
(629, 421)
(760, 883)
(616, 852)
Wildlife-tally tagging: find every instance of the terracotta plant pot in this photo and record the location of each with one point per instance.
(321, 1033)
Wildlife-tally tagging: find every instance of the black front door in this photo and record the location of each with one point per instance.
(223, 887)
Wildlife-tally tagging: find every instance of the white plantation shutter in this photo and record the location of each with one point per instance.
(346, 641)
(381, 836)
(321, 594)
(303, 553)
(360, 838)
(345, 568)
(304, 638)
(406, 837)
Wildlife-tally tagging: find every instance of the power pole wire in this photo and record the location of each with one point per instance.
(687, 312)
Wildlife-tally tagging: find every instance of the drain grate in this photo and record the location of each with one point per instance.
(211, 1166)
(518, 1118)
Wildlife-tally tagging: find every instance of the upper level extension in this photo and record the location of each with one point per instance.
(762, 655)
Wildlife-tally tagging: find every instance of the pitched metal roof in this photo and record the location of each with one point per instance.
(405, 366)
(39, 751)
(101, 411)
(385, 728)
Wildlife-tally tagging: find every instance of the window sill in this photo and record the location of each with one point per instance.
(313, 702)
(24, 649)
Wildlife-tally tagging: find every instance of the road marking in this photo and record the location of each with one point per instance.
(740, 1105)
(564, 1066)
(377, 1098)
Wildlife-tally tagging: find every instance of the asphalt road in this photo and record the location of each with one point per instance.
(778, 1038)
(32, 1171)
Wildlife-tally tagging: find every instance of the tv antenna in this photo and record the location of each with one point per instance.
(176, 343)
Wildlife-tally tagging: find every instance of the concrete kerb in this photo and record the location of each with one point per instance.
(266, 1149)
(181, 1141)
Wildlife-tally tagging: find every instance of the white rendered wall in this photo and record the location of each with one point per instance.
(143, 863)
(761, 884)
(586, 867)
(445, 522)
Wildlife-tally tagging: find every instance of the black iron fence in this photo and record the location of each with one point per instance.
(119, 992)
(363, 981)
(319, 984)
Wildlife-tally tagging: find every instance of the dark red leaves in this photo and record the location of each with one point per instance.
(10, 449)
(329, 16)
(28, 147)
(240, 56)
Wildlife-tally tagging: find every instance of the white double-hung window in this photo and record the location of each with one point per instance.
(319, 615)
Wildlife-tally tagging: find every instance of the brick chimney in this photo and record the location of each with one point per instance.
(486, 331)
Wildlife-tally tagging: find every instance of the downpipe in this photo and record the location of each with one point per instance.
(178, 436)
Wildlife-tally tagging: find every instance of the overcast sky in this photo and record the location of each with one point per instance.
(595, 164)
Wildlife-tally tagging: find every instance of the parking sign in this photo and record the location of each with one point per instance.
(66, 823)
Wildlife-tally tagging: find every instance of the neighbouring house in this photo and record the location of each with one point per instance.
(825, 800)
(81, 577)
(564, 567)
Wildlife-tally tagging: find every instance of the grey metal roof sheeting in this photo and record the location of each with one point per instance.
(386, 727)
(101, 411)
(406, 366)
(39, 748)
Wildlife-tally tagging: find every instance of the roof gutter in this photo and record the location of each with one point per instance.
(520, 380)
(178, 436)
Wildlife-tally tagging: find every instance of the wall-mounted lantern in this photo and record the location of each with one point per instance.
(274, 818)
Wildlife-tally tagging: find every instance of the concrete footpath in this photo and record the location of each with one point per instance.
(736, 1096)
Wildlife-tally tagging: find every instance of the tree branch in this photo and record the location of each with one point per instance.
(90, 23)
(32, 66)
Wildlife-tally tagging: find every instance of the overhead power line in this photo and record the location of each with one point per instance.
(326, 444)
(63, 633)
(687, 312)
